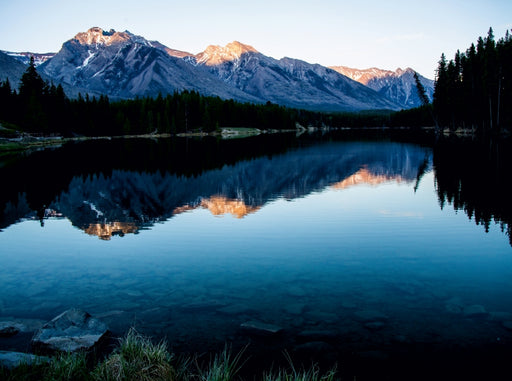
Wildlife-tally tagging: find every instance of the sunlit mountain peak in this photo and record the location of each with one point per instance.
(107, 230)
(97, 36)
(364, 176)
(215, 55)
(220, 205)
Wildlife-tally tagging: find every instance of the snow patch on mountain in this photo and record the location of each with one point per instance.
(24, 57)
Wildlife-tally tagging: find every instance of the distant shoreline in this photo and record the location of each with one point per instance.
(12, 141)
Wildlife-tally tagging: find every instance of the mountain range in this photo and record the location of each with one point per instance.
(398, 86)
(123, 65)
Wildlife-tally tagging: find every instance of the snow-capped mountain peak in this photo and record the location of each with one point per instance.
(215, 55)
(97, 37)
(398, 86)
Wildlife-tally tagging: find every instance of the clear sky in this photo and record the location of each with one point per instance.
(360, 34)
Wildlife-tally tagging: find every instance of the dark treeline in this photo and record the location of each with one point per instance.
(40, 107)
(474, 90)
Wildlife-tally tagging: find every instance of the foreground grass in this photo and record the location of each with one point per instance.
(137, 358)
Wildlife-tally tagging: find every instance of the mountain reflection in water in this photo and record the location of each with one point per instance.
(121, 201)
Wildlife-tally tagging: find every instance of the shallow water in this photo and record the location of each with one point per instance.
(341, 244)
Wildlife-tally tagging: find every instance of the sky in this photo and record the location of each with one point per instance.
(358, 34)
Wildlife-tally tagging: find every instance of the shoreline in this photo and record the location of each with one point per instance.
(26, 141)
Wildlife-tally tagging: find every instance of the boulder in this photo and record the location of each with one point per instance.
(14, 359)
(71, 331)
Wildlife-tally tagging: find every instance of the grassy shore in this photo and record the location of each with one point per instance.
(138, 358)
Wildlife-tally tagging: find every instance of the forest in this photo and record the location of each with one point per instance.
(472, 92)
(474, 89)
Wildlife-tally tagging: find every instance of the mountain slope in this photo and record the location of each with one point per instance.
(24, 57)
(398, 86)
(123, 65)
(12, 69)
(288, 81)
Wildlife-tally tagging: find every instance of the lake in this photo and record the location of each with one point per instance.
(387, 256)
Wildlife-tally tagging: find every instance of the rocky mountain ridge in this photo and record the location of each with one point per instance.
(398, 86)
(123, 65)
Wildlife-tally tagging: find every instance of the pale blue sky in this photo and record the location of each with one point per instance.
(360, 34)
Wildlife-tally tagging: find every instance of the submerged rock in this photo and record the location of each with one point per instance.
(71, 331)
(14, 359)
(261, 328)
(9, 328)
(474, 311)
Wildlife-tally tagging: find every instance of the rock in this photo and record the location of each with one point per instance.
(474, 311)
(22, 325)
(14, 359)
(9, 328)
(71, 331)
(261, 328)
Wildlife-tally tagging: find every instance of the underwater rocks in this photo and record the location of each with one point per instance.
(71, 331)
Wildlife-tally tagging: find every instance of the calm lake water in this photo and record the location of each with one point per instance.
(383, 256)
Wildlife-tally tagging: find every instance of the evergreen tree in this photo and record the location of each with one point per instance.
(32, 91)
(31, 82)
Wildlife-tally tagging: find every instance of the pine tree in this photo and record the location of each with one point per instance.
(32, 91)
(31, 82)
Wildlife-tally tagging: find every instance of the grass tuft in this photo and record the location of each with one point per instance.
(223, 367)
(137, 358)
(293, 374)
(68, 367)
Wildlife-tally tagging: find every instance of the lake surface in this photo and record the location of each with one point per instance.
(383, 256)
